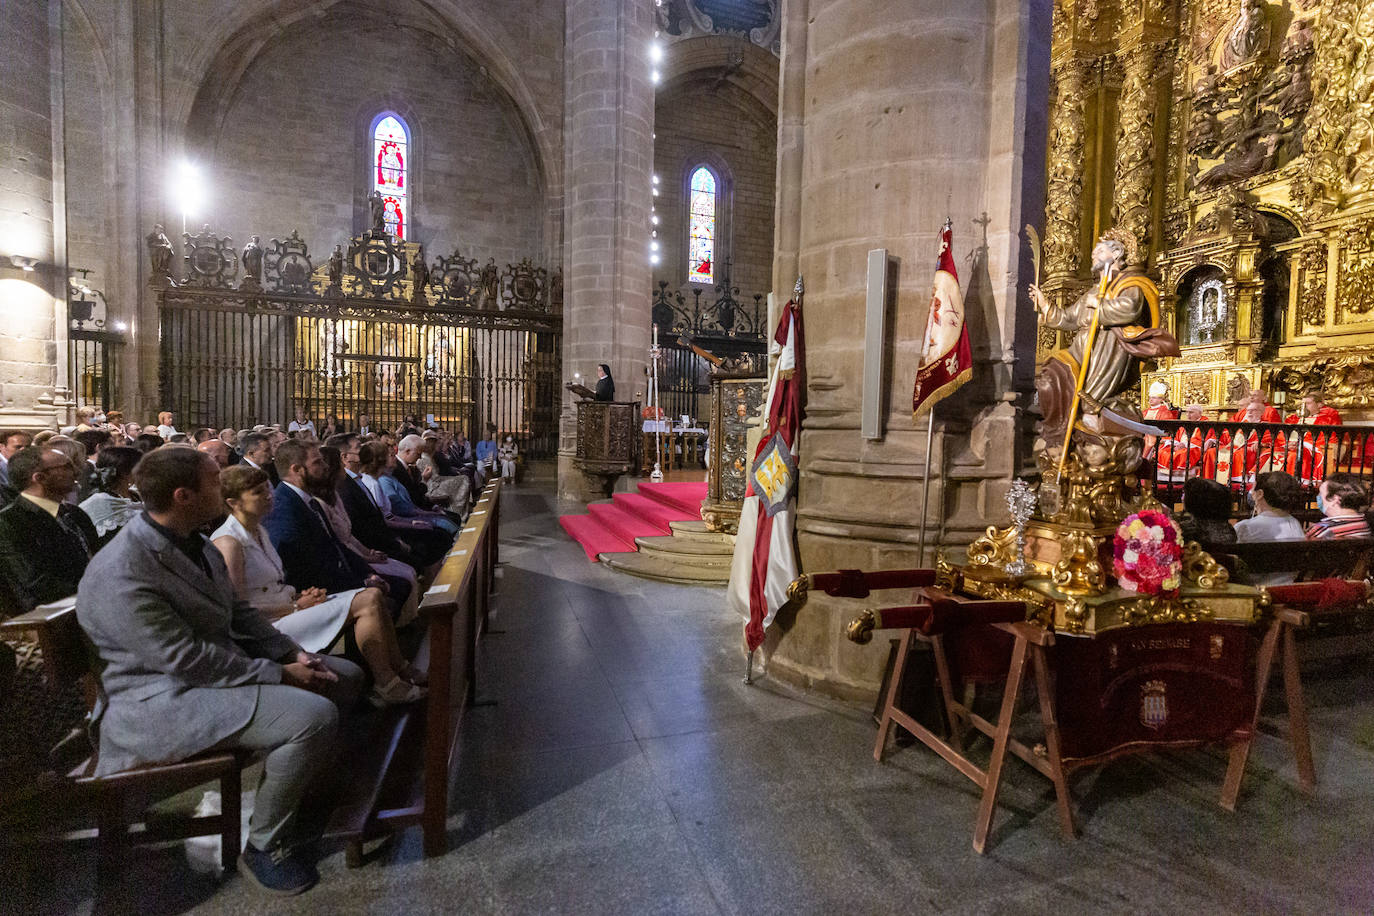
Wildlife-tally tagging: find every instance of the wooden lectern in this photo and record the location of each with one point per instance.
(607, 439)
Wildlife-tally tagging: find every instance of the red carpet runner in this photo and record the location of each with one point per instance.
(612, 527)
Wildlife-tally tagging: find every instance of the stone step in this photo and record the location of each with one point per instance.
(649, 567)
(701, 553)
(696, 530)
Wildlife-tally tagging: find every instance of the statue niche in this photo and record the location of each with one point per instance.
(1204, 307)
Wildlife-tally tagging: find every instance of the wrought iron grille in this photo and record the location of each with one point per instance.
(91, 364)
(723, 326)
(376, 331)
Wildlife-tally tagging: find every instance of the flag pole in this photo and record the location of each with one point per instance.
(925, 484)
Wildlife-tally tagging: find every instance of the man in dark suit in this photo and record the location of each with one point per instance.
(420, 548)
(45, 543)
(408, 452)
(311, 555)
(186, 667)
(257, 452)
(94, 441)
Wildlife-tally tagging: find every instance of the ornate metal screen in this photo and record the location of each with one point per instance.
(367, 334)
(723, 326)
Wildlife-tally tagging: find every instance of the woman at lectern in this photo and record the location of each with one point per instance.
(605, 385)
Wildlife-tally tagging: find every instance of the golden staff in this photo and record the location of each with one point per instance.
(1083, 370)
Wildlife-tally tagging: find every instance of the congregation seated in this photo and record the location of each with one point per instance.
(185, 667)
(93, 441)
(1277, 495)
(445, 484)
(406, 493)
(508, 453)
(301, 426)
(308, 606)
(257, 453)
(45, 542)
(486, 452)
(112, 504)
(1343, 500)
(164, 427)
(217, 450)
(389, 568)
(411, 540)
(1207, 512)
(11, 441)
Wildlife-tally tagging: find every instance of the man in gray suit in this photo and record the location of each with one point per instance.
(186, 668)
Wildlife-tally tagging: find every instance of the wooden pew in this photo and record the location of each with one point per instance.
(403, 776)
(111, 805)
(1330, 604)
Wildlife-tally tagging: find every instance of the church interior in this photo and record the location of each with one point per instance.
(458, 455)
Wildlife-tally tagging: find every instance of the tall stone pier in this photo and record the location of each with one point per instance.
(892, 117)
(608, 170)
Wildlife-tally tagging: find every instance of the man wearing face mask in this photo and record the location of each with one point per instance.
(1342, 500)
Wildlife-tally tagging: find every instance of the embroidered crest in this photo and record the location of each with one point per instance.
(1154, 704)
(774, 475)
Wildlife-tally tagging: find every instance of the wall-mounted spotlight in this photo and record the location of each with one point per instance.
(23, 262)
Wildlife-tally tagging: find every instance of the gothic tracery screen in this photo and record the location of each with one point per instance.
(701, 227)
(390, 146)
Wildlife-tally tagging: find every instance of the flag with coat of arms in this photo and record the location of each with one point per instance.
(765, 558)
(946, 354)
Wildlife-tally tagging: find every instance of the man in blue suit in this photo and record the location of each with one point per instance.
(311, 554)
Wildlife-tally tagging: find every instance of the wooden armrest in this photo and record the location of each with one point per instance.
(1292, 616)
(855, 583)
(45, 615)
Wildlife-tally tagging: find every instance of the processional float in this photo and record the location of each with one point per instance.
(1136, 640)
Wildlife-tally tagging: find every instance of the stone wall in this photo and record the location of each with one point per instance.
(293, 151)
(698, 123)
(937, 122)
(29, 338)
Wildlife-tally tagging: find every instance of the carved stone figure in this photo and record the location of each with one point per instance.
(419, 274)
(491, 286)
(252, 263)
(160, 253)
(336, 266)
(556, 291)
(1249, 36)
(1121, 316)
(376, 209)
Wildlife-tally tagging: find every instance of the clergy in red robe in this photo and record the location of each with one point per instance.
(1159, 408)
(1307, 461)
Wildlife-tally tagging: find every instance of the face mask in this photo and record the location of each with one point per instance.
(1250, 498)
(1321, 504)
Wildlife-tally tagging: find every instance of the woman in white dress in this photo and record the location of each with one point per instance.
(508, 453)
(313, 618)
(111, 506)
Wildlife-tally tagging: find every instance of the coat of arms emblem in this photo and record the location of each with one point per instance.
(1154, 705)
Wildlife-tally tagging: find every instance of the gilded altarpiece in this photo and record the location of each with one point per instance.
(1235, 139)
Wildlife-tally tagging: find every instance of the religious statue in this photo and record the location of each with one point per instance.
(556, 291)
(376, 209)
(1256, 151)
(1249, 36)
(490, 285)
(419, 274)
(160, 254)
(336, 268)
(252, 264)
(1115, 325)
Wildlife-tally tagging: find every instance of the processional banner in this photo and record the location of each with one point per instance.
(765, 559)
(946, 354)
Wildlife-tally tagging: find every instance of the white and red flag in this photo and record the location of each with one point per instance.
(946, 355)
(765, 560)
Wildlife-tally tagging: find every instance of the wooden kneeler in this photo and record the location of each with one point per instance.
(928, 623)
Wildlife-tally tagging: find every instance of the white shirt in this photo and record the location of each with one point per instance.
(166, 431)
(374, 489)
(1269, 525)
(307, 427)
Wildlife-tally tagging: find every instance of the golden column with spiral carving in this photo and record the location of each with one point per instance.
(1064, 196)
(1135, 145)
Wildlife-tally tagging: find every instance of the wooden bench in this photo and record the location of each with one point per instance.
(402, 777)
(110, 806)
(1328, 602)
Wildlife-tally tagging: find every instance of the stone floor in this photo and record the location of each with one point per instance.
(625, 768)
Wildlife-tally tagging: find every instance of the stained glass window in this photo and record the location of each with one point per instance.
(701, 227)
(390, 141)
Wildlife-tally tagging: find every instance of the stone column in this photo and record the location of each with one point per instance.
(1135, 145)
(944, 117)
(32, 302)
(608, 162)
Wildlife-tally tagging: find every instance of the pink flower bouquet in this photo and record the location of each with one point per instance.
(1148, 554)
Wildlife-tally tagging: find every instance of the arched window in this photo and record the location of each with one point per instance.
(390, 147)
(701, 226)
